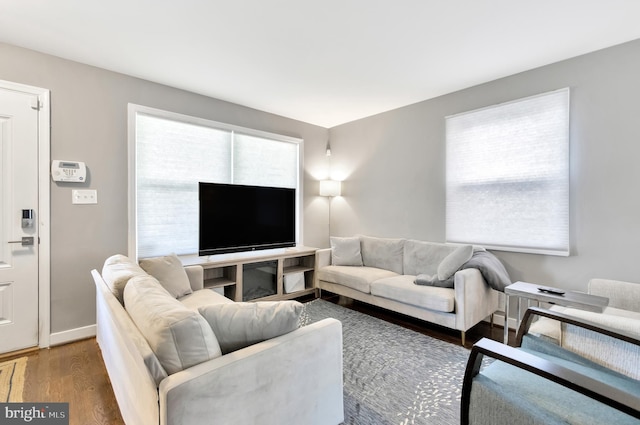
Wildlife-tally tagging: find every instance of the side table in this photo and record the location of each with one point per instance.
(530, 291)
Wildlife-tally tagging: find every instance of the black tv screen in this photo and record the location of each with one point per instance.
(236, 218)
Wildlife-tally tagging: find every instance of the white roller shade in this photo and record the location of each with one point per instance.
(171, 158)
(508, 175)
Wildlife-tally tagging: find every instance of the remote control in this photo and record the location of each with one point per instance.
(554, 291)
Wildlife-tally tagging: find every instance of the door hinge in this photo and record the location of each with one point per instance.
(36, 104)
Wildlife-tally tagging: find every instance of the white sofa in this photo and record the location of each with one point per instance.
(293, 378)
(386, 277)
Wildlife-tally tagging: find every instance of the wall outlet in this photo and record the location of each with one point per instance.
(88, 196)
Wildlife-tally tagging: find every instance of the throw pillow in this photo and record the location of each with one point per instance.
(170, 273)
(179, 337)
(238, 325)
(345, 251)
(454, 261)
(117, 271)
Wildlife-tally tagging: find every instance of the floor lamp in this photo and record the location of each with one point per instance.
(330, 188)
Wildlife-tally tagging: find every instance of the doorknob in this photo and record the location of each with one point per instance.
(25, 241)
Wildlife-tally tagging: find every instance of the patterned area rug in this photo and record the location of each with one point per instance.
(12, 380)
(393, 375)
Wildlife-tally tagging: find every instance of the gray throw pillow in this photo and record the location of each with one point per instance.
(454, 261)
(170, 273)
(345, 251)
(238, 325)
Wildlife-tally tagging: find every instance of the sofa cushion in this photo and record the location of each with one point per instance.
(179, 337)
(382, 253)
(424, 257)
(117, 271)
(345, 251)
(238, 325)
(403, 289)
(452, 262)
(358, 278)
(170, 273)
(203, 297)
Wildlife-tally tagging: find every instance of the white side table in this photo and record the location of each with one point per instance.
(530, 291)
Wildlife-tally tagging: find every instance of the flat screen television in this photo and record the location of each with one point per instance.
(235, 218)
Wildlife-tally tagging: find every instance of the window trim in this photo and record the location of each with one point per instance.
(134, 109)
(567, 130)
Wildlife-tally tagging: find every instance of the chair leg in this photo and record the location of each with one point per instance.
(463, 337)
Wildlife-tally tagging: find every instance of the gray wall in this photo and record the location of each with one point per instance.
(394, 176)
(89, 123)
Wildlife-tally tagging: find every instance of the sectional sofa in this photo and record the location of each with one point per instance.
(384, 271)
(180, 354)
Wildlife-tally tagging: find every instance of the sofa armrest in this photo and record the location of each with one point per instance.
(474, 298)
(196, 277)
(623, 295)
(323, 257)
(597, 390)
(295, 378)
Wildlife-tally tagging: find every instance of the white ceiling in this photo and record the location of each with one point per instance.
(325, 62)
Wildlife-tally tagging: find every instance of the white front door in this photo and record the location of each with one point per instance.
(19, 246)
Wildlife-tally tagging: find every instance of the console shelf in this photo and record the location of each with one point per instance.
(296, 269)
(266, 272)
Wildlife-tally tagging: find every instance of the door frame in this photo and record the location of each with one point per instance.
(44, 206)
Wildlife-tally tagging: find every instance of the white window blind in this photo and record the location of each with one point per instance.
(507, 182)
(252, 153)
(173, 154)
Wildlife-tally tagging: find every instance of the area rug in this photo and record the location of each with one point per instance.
(393, 375)
(12, 380)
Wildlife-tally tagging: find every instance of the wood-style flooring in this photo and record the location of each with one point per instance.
(75, 372)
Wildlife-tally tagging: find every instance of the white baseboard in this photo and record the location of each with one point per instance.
(71, 335)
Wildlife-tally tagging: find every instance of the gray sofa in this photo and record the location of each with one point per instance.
(383, 272)
(172, 353)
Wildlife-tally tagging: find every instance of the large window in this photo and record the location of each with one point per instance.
(170, 153)
(508, 175)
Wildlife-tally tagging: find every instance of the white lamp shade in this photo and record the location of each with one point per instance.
(330, 188)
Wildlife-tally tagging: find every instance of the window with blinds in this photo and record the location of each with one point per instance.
(171, 153)
(507, 175)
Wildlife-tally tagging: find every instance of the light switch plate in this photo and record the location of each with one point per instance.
(86, 196)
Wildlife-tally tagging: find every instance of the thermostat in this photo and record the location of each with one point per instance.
(68, 171)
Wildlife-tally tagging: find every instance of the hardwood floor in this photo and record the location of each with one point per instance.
(75, 372)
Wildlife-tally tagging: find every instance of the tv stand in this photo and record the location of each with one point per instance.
(225, 273)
